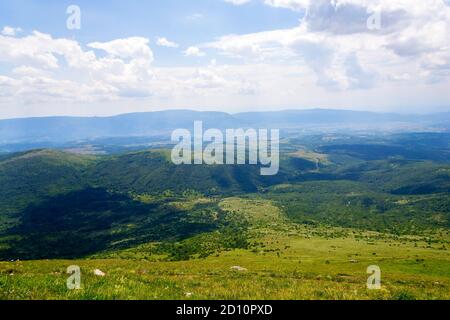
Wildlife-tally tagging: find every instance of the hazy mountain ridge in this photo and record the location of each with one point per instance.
(65, 129)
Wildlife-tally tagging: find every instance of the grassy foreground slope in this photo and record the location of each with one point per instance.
(311, 268)
(283, 261)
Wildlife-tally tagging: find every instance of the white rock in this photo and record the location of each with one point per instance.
(237, 268)
(99, 273)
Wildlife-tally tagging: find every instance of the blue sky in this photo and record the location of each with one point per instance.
(185, 22)
(234, 55)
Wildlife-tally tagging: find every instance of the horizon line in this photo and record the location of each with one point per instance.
(224, 112)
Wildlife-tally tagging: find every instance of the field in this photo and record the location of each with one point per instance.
(284, 261)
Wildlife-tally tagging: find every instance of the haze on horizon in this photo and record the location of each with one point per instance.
(224, 55)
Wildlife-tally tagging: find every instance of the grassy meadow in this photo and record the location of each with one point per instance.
(283, 261)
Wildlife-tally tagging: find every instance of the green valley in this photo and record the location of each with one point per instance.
(160, 231)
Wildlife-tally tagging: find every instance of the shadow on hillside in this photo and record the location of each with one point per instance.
(92, 220)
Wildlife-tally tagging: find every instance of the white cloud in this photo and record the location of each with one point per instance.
(289, 4)
(333, 41)
(330, 59)
(238, 2)
(39, 49)
(163, 42)
(10, 31)
(27, 71)
(60, 68)
(49, 71)
(194, 52)
(135, 47)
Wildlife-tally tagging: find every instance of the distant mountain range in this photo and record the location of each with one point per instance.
(65, 129)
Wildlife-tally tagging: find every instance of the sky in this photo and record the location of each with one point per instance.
(97, 58)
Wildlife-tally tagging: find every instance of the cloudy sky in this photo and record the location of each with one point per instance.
(228, 55)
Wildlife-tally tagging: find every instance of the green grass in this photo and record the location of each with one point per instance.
(284, 261)
(313, 268)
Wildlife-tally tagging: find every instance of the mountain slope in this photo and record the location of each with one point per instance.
(56, 204)
(35, 175)
(29, 176)
(154, 172)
